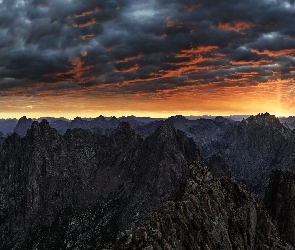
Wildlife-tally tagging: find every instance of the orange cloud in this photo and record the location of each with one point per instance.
(236, 80)
(77, 68)
(248, 74)
(76, 71)
(128, 59)
(194, 50)
(194, 57)
(236, 26)
(252, 63)
(284, 52)
(86, 13)
(93, 21)
(84, 37)
(131, 69)
(179, 68)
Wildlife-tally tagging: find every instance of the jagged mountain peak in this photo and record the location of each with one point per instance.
(41, 130)
(114, 118)
(221, 119)
(24, 118)
(23, 125)
(165, 129)
(264, 118)
(166, 132)
(177, 118)
(43, 125)
(124, 134)
(100, 118)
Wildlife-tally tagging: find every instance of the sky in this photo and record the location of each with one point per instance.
(147, 58)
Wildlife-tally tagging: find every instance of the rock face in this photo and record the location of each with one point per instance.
(23, 125)
(80, 189)
(251, 148)
(206, 213)
(279, 200)
(1, 141)
(218, 167)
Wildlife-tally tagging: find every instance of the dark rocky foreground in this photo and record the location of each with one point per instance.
(84, 190)
(209, 214)
(279, 201)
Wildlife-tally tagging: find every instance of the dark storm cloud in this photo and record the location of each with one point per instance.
(138, 46)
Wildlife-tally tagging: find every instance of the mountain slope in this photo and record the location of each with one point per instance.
(23, 125)
(84, 183)
(251, 148)
(279, 200)
(210, 214)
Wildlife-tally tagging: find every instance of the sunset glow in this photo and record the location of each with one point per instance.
(155, 58)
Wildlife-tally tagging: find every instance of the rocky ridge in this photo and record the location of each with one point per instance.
(206, 213)
(56, 188)
(23, 125)
(251, 148)
(86, 190)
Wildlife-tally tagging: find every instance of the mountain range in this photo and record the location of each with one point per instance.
(251, 147)
(109, 183)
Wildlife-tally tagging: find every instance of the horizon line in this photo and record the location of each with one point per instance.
(150, 117)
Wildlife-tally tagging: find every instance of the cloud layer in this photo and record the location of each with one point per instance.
(153, 49)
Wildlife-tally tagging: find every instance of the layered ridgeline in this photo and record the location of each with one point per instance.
(251, 148)
(79, 190)
(84, 190)
(100, 124)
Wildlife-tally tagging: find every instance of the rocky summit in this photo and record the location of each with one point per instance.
(79, 190)
(251, 148)
(23, 125)
(210, 214)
